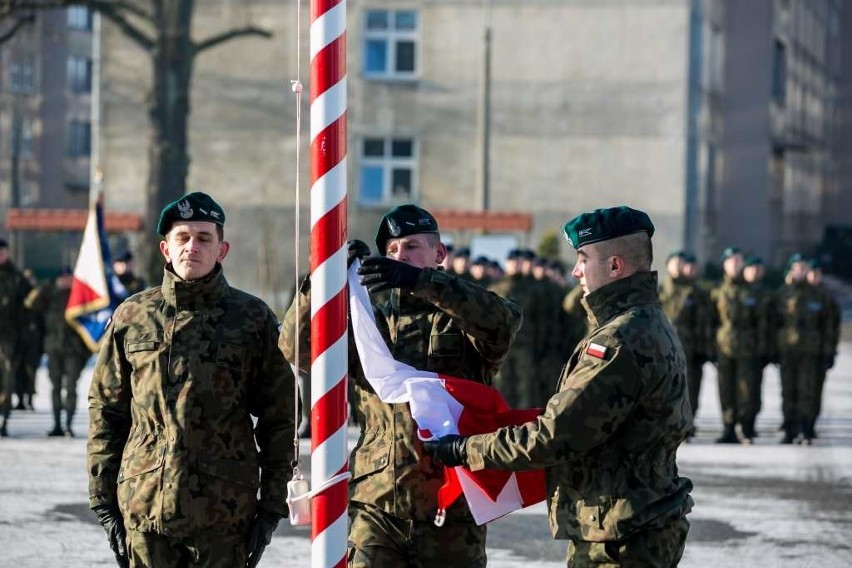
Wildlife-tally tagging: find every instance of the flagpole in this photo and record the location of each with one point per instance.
(329, 452)
(95, 170)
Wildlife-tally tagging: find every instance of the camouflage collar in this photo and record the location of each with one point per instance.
(196, 294)
(618, 297)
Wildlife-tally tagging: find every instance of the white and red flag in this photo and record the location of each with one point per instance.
(442, 405)
(95, 291)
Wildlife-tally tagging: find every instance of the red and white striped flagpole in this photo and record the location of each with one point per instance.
(329, 358)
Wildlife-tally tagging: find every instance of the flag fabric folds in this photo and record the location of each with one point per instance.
(95, 291)
(442, 405)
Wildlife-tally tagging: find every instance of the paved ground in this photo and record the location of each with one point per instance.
(770, 505)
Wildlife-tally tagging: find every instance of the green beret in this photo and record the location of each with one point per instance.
(753, 260)
(795, 258)
(403, 221)
(605, 224)
(196, 206)
(729, 252)
(815, 264)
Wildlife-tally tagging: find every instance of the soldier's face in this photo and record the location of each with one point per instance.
(422, 251)
(733, 265)
(673, 266)
(814, 276)
(592, 269)
(193, 248)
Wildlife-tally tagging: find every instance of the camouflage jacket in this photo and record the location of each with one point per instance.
(688, 309)
(741, 318)
(59, 337)
(609, 435)
(14, 287)
(806, 322)
(182, 372)
(445, 325)
(132, 283)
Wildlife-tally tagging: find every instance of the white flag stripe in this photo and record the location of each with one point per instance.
(327, 27)
(482, 507)
(328, 107)
(89, 268)
(328, 191)
(328, 280)
(329, 546)
(337, 360)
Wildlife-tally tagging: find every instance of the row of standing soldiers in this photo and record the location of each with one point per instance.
(34, 324)
(740, 325)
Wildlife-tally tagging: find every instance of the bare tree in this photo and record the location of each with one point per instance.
(162, 29)
(9, 24)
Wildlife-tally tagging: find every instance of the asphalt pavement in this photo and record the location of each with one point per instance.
(760, 505)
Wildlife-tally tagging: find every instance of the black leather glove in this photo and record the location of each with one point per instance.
(381, 273)
(450, 450)
(110, 519)
(828, 361)
(260, 535)
(356, 249)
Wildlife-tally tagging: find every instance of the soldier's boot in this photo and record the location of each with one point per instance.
(20, 405)
(729, 436)
(29, 402)
(57, 429)
(69, 418)
(789, 435)
(805, 438)
(747, 432)
(4, 433)
(810, 429)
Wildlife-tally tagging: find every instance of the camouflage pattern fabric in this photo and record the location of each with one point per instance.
(739, 378)
(146, 549)
(28, 352)
(832, 339)
(184, 369)
(132, 283)
(610, 434)
(380, 540)
(517, 376)
(806, 323)
(688, 309)
(14, 287)
(658, 547)
(445, 325)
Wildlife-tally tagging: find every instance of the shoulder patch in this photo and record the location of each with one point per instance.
(596, 350)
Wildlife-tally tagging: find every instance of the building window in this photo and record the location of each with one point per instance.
(21, 143)
(79, 139)
(387, 171)
(390, 43)
(779, 72)
(79, 74)
(79, 18)
(22, 76)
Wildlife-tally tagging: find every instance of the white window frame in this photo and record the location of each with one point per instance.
(392, 37)
(387, 162)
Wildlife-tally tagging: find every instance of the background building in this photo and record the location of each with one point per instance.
(718, 117)
(45, 130)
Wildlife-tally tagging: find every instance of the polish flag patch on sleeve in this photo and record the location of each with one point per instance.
(596, 350)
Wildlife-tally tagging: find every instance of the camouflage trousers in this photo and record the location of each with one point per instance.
(152, 550)
(659, 547)
(27, 360)
(694, 366)
(739, 388)
(801, 388)
(379, 540)
(64, 369)
(518, 379)
(7, 380)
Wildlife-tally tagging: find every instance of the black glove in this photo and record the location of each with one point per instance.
(260, 535)
(110, 519)
(356, 249)
(828, 361)
(381, 273)
(450, 450)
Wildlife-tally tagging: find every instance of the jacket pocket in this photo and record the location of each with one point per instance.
(230, 356)
(139, 490)
(224, 494)
(445, 345)
(234, 471)
(370, 460)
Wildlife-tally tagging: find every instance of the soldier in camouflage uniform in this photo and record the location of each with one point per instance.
(687, 307)
(518, 377)
(191, 410)
(739, 332)
(433, 321)
(67, 353)
(28, 352)
(609, 436)
(831, 337)
(753, 273)
(461, 263)
(805, 323)
(123, 268)
(14, 287)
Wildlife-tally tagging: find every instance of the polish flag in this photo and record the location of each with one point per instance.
(442, 405)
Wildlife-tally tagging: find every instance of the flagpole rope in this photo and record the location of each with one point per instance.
(296, 86)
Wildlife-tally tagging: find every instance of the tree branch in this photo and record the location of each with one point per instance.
(215, 40)
(19, 23)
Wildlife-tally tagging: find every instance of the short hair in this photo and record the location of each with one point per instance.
(635, 249)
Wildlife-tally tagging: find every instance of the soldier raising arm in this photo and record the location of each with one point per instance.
(174, 457)
(609, 435)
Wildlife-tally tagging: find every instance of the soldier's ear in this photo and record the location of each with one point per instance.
(164, 250)
(224, 247)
